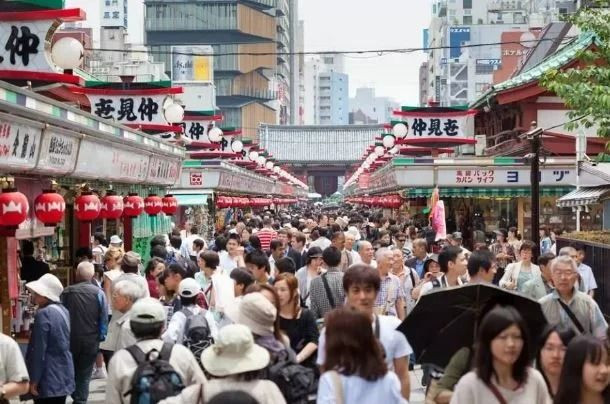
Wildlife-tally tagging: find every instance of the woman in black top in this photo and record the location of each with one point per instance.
(297, 322)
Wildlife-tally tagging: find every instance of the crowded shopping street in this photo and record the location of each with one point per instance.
(304, 202)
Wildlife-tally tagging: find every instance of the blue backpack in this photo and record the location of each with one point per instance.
(155, 378)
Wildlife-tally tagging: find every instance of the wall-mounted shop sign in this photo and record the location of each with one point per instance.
(113, 163)
(163, 170)
(58, 152)
(430, 123)
(19, 143)
(129, 109)
(504, 176)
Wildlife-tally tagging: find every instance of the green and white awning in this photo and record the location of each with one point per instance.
(584, 196)
(484, 192)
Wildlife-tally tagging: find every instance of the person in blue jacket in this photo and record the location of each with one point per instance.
(48, 356)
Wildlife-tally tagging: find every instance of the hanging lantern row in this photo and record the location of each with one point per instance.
(387, 201)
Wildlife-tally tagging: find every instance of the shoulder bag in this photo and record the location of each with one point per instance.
(497, 393)
(329, 295)
(572, 316)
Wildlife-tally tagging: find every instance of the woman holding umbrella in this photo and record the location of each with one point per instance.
(502, 373)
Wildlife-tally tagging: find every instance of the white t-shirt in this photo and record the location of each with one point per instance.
(12, 365)
(227, 262)
(359, 390)
(175, 329)
(394, 342)
(586, 273)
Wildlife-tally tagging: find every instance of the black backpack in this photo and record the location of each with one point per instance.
(154, 379)
(296, 382)
(197, 333)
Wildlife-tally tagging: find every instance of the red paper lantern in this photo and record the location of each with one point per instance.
(170, 204)
(14, 208)
(133, 205)
(49, 208)
(153, 205)
(221, 202)
(87, 207)
(111, 207)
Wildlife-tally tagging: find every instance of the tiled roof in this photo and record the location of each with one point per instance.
(312, 144)
(555, 61)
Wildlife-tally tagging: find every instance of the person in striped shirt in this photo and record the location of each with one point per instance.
(266, 234)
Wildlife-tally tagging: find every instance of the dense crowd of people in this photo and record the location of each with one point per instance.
(305, 306)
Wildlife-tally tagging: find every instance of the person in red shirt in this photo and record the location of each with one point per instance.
(266, 234)
(154, 268)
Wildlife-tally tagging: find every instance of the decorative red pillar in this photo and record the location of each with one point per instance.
(127, 233)
(84, 234)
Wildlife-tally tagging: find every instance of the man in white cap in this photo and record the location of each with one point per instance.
(188, 290)
(147, 321)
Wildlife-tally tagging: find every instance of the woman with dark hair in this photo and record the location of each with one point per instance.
(298, 323)
(584, 377)
(254, 243)
(154, 268)
(354, 369)
(553, 345)
(432, 271)
(502, 372)
(311, 270)
(518, 273)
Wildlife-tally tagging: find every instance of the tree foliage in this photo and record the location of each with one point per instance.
(586, 90)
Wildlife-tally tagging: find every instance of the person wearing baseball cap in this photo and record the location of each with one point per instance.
(48, 358)
(188, 291)
(147, 319)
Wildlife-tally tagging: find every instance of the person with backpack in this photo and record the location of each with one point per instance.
(259, 314)
(362, 284)
(151, 369)
(191, 326)
(234, 363)
(176, 257)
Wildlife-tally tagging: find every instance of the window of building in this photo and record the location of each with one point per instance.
(107, 2)
(480, 88)
(467, 3)
(115, 14)
(452, 12)
(467, 20)
(115, 2)
(107, 14)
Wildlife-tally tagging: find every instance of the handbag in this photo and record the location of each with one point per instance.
(497, 393)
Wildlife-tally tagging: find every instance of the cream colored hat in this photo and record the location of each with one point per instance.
(234, 352)
(254, 311)
(48, 286)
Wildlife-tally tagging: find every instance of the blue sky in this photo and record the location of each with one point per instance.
(344, 25)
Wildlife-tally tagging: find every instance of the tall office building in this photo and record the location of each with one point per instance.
(458, 74)
(326, 91)
(366, 108)
(113, 13)
(251, 89)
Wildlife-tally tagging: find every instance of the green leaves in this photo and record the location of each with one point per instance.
(586, 89)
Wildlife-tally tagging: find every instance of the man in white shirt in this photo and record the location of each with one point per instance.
(366, 252)
(14, 377)
(362, 284)
(146, 321)
(233, 257)
(585, 271)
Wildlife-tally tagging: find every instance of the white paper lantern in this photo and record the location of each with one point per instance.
(400, 130)
(394, 150)
(389, 141)
(68, 53)
(379, 150)
(174, 113)
(269, 165)
(237, 146)
(253, 156)
(215, 135)
(261, 160)
(277, 169)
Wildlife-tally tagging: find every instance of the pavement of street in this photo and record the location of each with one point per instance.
(97, 391)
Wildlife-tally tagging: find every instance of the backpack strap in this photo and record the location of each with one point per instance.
(166, 351)
(329, 295)
(136, 353)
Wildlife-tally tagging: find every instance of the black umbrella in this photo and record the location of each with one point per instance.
(445, 320)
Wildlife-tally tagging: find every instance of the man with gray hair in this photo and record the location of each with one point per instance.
(88, 310)
(568, 307)
(391, 297)
(585, 281)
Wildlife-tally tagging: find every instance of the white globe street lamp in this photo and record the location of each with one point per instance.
(269, 165)
(174, 113)
(215, 135)
(253, 156)
(261, 160)
(277, 169)
(379, 150)
(400, 130)
(68, 53)
(389, 141)
(237, 146)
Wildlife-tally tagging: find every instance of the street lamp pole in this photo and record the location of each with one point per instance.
(534, 137)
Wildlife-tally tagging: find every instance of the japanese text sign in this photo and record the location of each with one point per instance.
(504, 176)
(22, 45)
(58, 152)
(164, 170)
(19, 145)
(113, 163)
(130, 109)
(430, 125)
